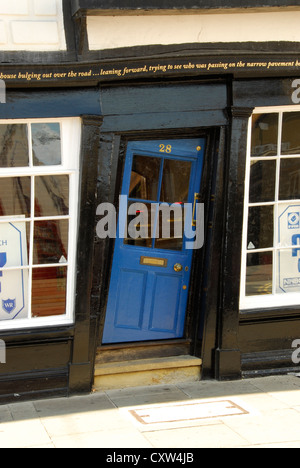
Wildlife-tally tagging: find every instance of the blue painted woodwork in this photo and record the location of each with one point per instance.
(148, 302)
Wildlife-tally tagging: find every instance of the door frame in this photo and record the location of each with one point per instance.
(184, 149)
(119, 144)
(202, 314)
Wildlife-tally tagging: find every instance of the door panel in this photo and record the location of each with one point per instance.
(151, 267)
(130, 280)
(166, 302)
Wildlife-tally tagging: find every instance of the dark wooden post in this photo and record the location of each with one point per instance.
(228, 356)
(81, 367)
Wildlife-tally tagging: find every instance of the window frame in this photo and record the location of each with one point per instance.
(274, 300)
(70, 132)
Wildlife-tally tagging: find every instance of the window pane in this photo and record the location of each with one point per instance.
(52, 195)
(170, 227)
(14, 295)
(14, 244)
(15, 196)
(260, 227)
(49, 287)
(262, 181)
(144, 178)
(264, 135)
(289, 186)
(259, 274)
(14, 146)
(51, 242)
(176, 181)
(46, 144)
(291, 133)
(139, 224)
(14, 252)
(289, 271)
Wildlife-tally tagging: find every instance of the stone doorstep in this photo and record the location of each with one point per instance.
(143, 372)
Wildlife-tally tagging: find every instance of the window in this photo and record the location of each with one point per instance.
(271, 236)
(39, 171)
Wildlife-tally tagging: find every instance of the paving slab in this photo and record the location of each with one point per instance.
(102, 419)
(211, 436)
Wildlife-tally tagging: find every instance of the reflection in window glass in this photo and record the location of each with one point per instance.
(144, 178)
(262, 181)
(170, 227)
(52, 195)
(139, 224)
(264, 135)
(15, 196)
(289, 185)
(290, 133)
(51, 242)
(260, 227)
(259, 273)
(49, 286)
(176, 181)
(46, 144)
(14, 146)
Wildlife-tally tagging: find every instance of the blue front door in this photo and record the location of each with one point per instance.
(151, 268)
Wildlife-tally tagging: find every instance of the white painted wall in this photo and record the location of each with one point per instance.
(108, 32)
(32, 25)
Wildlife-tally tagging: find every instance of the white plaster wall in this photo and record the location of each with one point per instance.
(32, 25)
(108, 32)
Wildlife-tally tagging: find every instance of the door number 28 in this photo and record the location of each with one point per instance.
(165, 149)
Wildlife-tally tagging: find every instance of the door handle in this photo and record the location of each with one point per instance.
(196, 198)
(178, 267)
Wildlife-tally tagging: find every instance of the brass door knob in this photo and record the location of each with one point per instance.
(178, 267)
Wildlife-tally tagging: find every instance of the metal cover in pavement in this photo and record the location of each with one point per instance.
(187, 411)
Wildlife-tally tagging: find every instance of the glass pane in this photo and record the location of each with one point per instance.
(290, 133)
(14, 295)
(14, 244)
(50, 242)
(144, 178)
(49, 287)
(52, 195)
(170, 227)
(262, 181)
(140, 222)
(14, 146)
(288, 280)
(260, 227)
(288, 224)
(46, 144)
(15, 196)
(259, 274)
(264, 135)
(176, 181)
(289, 185)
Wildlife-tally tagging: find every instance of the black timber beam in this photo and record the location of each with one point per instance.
(103, 6)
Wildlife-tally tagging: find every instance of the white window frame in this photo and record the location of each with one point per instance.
(275, 299)
(70, 151)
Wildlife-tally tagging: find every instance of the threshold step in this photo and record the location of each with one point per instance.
(143, 372)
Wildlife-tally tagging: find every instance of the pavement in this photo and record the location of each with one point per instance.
(257, 413)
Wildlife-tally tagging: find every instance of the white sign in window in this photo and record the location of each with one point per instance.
(14, 279)
(39, 172)
(271, 236)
